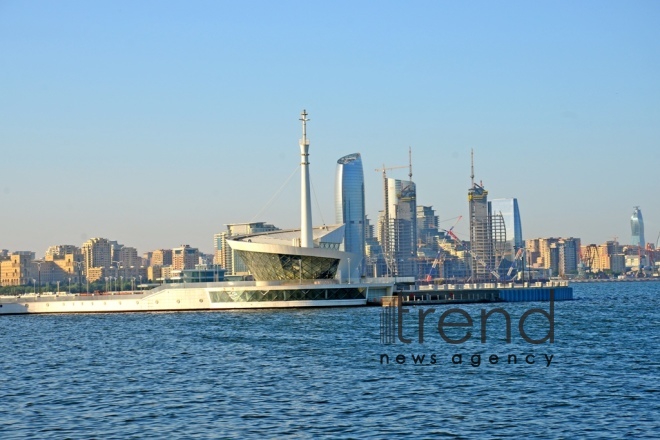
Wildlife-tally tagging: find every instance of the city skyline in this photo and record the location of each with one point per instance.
(142, 124)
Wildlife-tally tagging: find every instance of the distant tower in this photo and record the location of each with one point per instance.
(481, 242)
(637, 227)
(306, 238)
(349, 203)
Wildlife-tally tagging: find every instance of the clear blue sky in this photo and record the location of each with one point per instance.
(156, 123)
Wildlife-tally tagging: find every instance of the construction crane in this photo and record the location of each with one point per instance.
(475, 256)
(439, 258)
(409, 166)
(386, 217)
(514, 264)
(385, 169)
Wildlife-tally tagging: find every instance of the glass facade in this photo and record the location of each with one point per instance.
(349, 203)
(637, 227)
(270, 266)
(330, 293)
(203, 274)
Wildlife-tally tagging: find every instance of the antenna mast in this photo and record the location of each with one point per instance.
(306, 235)
(410, 164)
(472, 166)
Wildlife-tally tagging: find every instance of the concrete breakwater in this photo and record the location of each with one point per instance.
(482, 292)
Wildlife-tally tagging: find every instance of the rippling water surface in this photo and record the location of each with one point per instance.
(318, 373)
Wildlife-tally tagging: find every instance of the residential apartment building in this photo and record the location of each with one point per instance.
(161, 257)
(128, 257)
(97, 254)
(560, 256)
(17, 269)
(184, 257)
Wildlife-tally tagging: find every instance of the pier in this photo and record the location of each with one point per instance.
(479, 293)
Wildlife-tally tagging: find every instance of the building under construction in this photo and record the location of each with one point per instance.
(397, 228)
(486, 232)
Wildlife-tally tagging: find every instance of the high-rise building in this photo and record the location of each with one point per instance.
(481, 238)
(400, 227)
(61, 250)
(428, 227)
(568, 256)
(128, 257)
(559, 256)
(637, 227)
(373, 251)
(97, 253)
(184, 257)
(161, 257)
(605, 257)
(506, 212)
(349, 204)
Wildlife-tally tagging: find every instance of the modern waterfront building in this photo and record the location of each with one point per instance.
(507, 212)
(637, 227)
(306, 266)
(305, 254)
(225, 256)
(349, 205)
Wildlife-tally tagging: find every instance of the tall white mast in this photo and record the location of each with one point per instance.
(306, 237)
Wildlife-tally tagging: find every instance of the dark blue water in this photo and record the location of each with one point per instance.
(318, 373)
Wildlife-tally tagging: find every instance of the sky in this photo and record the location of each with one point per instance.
(156, 123)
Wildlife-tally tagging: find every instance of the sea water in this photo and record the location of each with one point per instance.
(325, 373)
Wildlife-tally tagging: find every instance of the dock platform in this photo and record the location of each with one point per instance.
(480, 293)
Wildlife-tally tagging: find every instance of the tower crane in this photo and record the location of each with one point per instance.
(514, 265)
(385, 169)
(385, 211)
(438, 258)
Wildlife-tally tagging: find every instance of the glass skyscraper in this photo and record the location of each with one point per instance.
(349, 203)
(637, 227)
